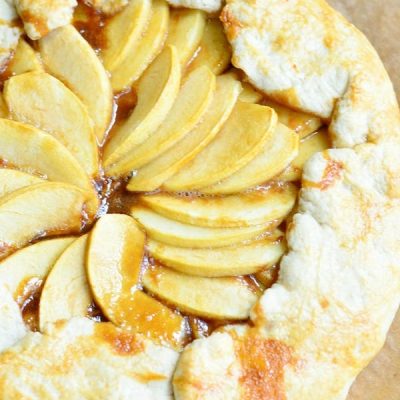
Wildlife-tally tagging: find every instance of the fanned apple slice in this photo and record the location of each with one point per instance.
(44, 209)
(303, 124)
(309, 146)
(87, 78)
(32, 262)
(186, 28)
(66, 291)
(30, 150)
(192, 101)
(11, 179)
(156, 92)
(25, 59)
(215, 51)
(43, 101)
(245, 209)
(249, 94)
(153, 174)
(216, 298)
(135, 63)
(176, 233)
(114, 260)
(124, 31)
(279, 151)
(240, 140)
(224, 261)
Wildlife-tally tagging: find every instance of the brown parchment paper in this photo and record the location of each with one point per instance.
(380, 21)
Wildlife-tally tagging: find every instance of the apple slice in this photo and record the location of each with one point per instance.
(175, 233)
(124, 31)
(215, 51)
(240, 140)
(66, 292)
(30, 150)
(194, 97)
(308, 147)
(114, 260)
(87, 78)
(156, 92)
(44, 209)
(32, 262)
(153, 174)
(150, 44)
(215, 298)
(43, 101)
(279, 151)
(186, 28)
(303, 124)
(245, 209)
(249, 94)
(25, 59)
(11, 180)
(223, 261)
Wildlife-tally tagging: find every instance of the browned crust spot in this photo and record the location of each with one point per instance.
(231, 24)
(122, 343)
(262, 366)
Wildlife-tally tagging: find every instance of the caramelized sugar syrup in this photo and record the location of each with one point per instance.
(114, 198)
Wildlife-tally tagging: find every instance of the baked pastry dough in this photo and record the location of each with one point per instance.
(315, 329)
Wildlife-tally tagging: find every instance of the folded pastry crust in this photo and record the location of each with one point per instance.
(339, 285)
(338, 289)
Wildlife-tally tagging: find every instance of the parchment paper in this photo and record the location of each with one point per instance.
(380, 21)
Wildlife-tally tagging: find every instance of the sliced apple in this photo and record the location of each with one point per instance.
(153, 174)
(224, 261)
(215, 51)
(176, 233)
(279, 151)
(124, 31)
(87, 78)
(150, 44)
(303, 124)
(11, 180)
(249, 94)
(114, 260)
(44, 209)
(309, 146)
(215, 298)
(66, 292)
(186, 28)
(156, 321)
(192, 101)
(245, 209)
(31, 262)
(156, 92)
(30, 150)
(240, 140)
(25, 59)
(43, 101)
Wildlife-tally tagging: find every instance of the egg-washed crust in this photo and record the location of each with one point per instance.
(205, 5)
(339, 285)
(86, 360)
(306, 55)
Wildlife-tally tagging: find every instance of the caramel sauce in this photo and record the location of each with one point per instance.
(28, 297)
(90, 24)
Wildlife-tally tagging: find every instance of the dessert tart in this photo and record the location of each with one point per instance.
(197, 200)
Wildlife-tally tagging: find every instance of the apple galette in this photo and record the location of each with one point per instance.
(197, 200)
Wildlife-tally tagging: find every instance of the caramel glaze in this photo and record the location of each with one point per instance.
(114, 198)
